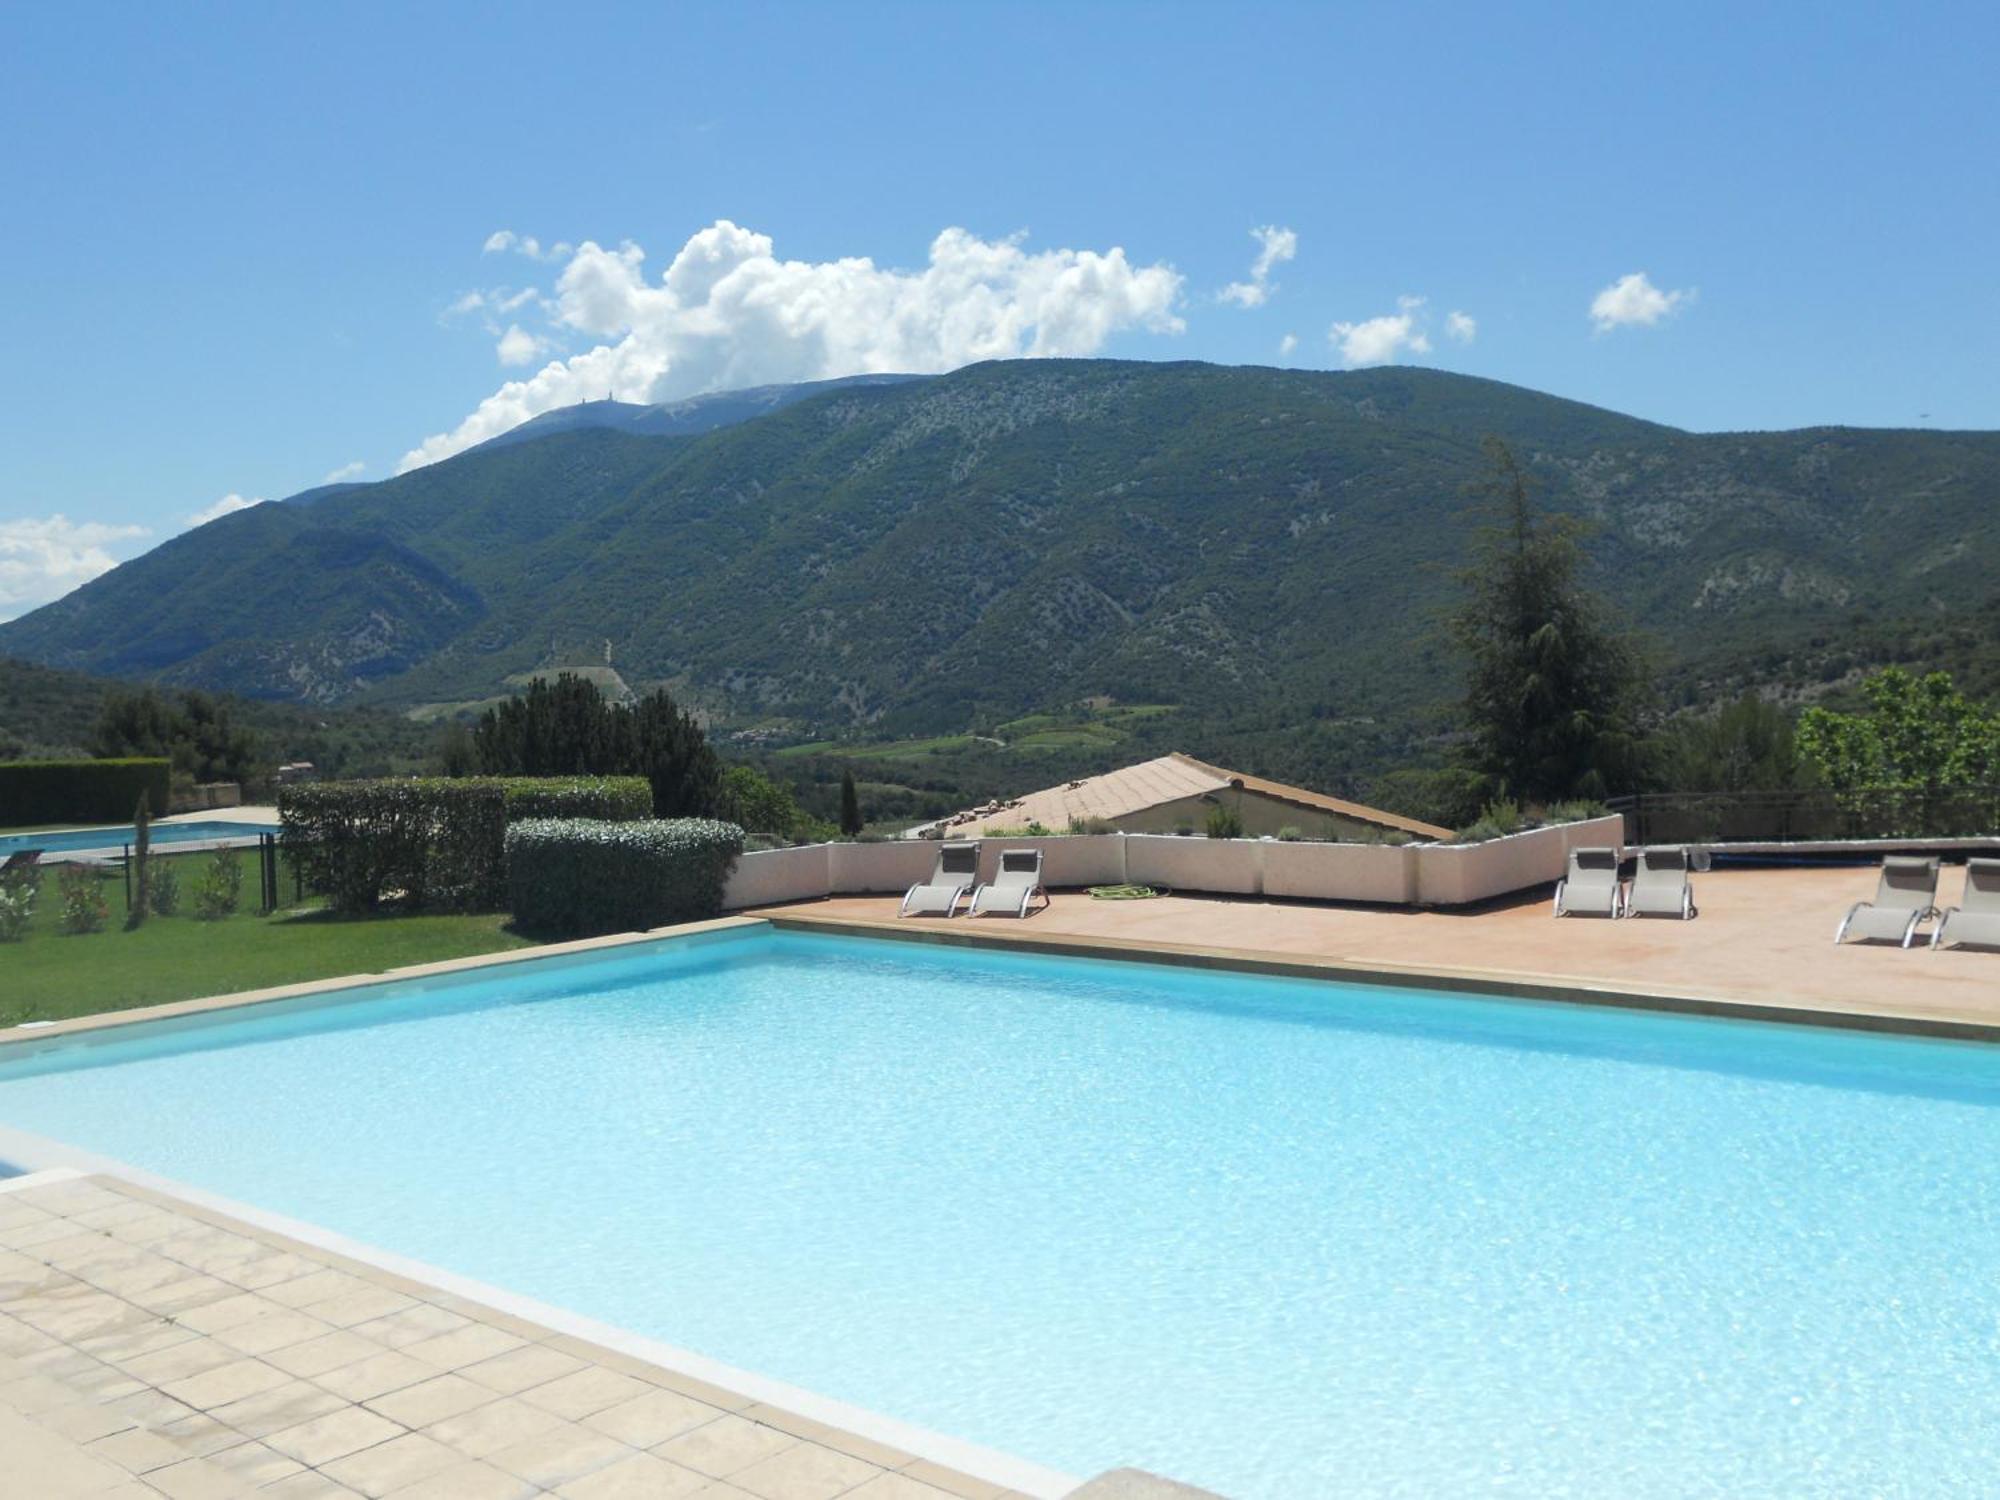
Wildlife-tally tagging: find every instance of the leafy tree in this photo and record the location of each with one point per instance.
(1552, 686)
(199, 734)
(1918, 732)
(1451, 797)
(1750, 745)
(133, 722)
(754, 802)
(851, 821)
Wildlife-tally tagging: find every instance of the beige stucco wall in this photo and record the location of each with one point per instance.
(1459, 874)
(1410, 874)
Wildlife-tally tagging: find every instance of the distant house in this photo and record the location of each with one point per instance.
(1174, 795)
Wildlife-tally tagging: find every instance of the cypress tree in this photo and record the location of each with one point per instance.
(142, 886)
(1552, 686)
(850, 805)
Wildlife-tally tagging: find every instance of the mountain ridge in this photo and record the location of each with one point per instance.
(923, 555)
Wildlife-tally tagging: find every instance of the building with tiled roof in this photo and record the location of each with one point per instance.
(1174, 794)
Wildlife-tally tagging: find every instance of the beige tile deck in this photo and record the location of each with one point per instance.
(1764, 937)
(105, 1396)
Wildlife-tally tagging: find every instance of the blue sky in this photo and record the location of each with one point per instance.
(244, 244)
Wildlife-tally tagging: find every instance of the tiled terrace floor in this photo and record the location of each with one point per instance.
(1764, 936)
(149, 1348)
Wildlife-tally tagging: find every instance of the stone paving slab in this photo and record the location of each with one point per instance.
(152, 1348)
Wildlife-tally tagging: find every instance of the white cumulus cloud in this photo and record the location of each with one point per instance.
(226, 506)
(728, 313)
(1275, 246)
(1634, 302)
(517, 346)
(1379, 340)
(43, 559)
(1461, 326)
(1287, 344)
(346, 472)
(502, 240)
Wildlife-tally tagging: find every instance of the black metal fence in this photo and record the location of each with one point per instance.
(1791, 816)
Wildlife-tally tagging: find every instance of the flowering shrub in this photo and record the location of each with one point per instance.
(81, 888)
(17, 902)
(165, 894)
(220, 886)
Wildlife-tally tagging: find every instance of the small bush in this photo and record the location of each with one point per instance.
(1092, 825)
(1290, 835)
(1574, 812)
(576, 877)
(1496, 822)
(84, 908)
(166, 891)
(1223, 823)
(18, 893)
(220, 887)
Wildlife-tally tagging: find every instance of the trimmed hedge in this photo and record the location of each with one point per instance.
(615, 799)
(81, 791)
(576, 877)
(437, 842)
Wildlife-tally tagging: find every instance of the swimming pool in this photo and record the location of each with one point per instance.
(68, 839)
(1281, 1238)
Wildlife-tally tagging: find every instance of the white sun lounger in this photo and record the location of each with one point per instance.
(1591, 884)
(956, 872)
(1905, 894)
(1660, 886)
(1976, 919)
(1013, 887)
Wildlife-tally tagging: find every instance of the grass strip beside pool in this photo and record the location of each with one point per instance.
(51, 975)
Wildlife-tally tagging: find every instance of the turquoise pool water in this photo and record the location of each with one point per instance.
(1280, 1238)
(117, 838)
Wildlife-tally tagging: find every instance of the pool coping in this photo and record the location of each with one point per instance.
(943, 1462)
(834, 1423)
(1500, 984)
(1503, 984)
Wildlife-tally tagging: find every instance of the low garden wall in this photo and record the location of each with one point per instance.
(1381, 874)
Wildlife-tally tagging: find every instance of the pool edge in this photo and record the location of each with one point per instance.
(1566, 989)
(1494, 983)
(605, 1344)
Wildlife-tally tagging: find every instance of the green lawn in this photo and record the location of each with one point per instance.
(51, 974)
